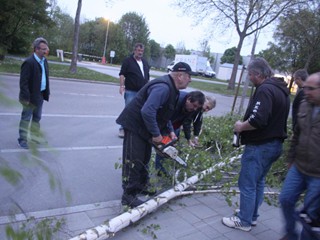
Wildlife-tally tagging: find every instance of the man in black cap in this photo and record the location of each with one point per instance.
(145, 119)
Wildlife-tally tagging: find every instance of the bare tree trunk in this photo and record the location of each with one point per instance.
(73, 66)
(232, 80)
(246, 83)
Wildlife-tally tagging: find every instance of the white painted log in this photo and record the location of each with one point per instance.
(118, 223)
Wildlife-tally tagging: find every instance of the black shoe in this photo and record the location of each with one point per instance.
(131, 200)
(148, 192)
(23, 144)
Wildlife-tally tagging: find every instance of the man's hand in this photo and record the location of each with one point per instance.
(173, 136)
(238, 126)
(157, 139)
(191, 143)
(121, 89)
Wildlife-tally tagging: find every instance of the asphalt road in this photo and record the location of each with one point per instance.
(83, 146)
(79, 124)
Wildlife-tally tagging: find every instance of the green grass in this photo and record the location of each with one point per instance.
(10, 65)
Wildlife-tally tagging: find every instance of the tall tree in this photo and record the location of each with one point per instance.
(243, 15)
(59, 34)
(229, 56)
(169, 52)
(73, 66)
(155, 49)
(19, 21)
(135, 30)
(299, 38)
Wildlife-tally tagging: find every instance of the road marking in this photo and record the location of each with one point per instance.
(50, 149)
(65, 115)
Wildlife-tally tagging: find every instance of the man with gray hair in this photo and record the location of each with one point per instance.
(34, 88)
(262, 131)
(299, 77)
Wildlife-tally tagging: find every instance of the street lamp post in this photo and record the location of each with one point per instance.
(103, 61)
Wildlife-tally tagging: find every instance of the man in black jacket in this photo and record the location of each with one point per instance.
(34, 88)
(134, 74)
(145, 119)
(262, 131)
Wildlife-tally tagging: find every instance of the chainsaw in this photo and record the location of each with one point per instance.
(166, 149)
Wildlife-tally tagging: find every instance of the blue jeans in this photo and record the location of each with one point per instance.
(30, 112)
(128, 96)
(255, 163)
(295, 184)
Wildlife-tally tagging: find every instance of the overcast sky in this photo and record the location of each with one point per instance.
(166, 23)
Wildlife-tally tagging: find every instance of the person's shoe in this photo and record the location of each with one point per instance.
(235, 222)
(131, 200)
(121, 133)
(148, 191)
(253, 223)
(23, 144)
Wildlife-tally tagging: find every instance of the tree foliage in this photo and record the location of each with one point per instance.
(229, 56)
(135, 30)
(155, 49)
(246, 16)
(58, 34)
(19, 23)
(169, 52)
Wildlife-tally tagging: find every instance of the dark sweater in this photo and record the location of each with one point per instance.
(268, 112)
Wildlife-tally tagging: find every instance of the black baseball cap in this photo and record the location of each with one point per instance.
(182, 67)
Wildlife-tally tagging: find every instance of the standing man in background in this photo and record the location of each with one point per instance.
(134, 74)
(299, 77)
(34, 88)
(262, 131)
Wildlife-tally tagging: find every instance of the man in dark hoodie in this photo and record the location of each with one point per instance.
(262, 131)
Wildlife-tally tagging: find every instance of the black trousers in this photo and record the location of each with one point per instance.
(135, 159)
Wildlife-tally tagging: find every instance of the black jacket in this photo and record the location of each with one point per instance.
(134, 80)
(268, 112)
(150, 111)
(295, 106)
(30, 81)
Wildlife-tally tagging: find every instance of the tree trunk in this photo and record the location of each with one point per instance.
(73, 66)
(232, 80)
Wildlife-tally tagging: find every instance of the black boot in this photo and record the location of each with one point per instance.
(131, 200)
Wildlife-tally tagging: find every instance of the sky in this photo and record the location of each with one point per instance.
(167, 23)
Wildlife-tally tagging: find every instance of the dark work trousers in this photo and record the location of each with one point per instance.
(135, 159)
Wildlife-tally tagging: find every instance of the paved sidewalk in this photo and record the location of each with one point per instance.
(197, 216)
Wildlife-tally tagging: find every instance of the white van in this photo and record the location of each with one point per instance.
(170, 66)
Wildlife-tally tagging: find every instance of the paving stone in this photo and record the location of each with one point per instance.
(201, 211)
(268, 235)
(193, 236)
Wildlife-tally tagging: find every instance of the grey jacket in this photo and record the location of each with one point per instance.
(305, 149)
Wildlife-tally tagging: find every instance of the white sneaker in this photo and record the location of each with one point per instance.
(253, 223)
(235, 222)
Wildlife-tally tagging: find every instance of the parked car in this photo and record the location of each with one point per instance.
(170, 66)
(209, 73)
